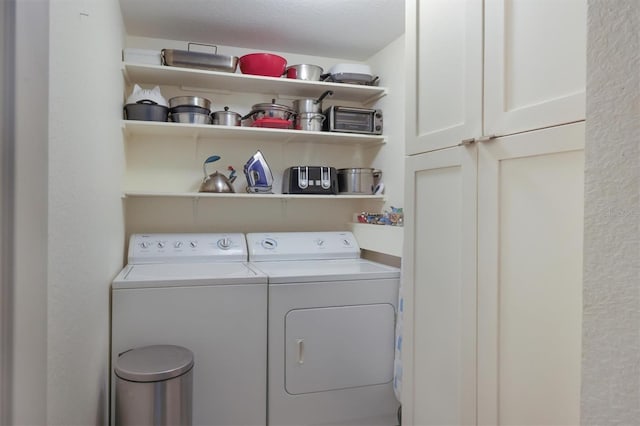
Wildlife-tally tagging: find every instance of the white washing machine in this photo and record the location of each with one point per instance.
(199, 292)
(331, 330)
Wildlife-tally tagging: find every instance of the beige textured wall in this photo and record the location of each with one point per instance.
(86, 225)
(30, 231)
(611, 321)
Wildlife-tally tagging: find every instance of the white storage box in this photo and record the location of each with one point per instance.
(141, 56)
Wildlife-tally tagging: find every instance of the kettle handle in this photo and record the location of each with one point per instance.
(211, 159)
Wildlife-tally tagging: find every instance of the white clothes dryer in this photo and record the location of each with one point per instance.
(331, 330)
(199, 292)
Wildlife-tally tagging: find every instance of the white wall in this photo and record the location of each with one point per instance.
(30, 250)
(389, 63)
(611, 318)
(86, 226)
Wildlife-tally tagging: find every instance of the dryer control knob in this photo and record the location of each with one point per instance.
(177, 244)
(144, 244)
(269, 243)
(193, 244)
(224, 243)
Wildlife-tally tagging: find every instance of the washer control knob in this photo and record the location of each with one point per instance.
(346, 242)
(193, 244)
(320, 243)
(160, 244)
(269, 243)
(144, 244)
(224, 243)
(177, 244)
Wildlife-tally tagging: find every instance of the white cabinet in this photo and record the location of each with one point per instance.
(444, 73)
(534, 64)
(530, 225)
(493, 67)
(493, 241)
(439, 270)
(492, 281)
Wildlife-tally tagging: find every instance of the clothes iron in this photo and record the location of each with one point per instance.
(258, 174)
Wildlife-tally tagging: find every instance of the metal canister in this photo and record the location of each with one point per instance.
(154, 386)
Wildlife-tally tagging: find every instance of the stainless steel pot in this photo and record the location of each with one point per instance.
(310, 104)
(198, 101)
(226, 117)
(358, 181)
(310, 121)
(190, 117)
(271, 110)
(304, 72)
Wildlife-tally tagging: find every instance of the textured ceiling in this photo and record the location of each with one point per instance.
(349, 29)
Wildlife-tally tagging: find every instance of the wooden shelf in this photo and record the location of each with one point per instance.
(244, 195)
(379, 238)
(232, 82)
(158, 128)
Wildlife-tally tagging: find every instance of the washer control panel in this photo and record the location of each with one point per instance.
(185, 248)
(302, 246)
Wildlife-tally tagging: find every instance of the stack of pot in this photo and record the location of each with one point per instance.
(190, 109)
(271, 115)
(310, 115)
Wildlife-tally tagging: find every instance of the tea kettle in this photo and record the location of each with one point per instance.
(216, 182)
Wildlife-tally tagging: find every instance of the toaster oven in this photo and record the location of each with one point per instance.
(353, 120)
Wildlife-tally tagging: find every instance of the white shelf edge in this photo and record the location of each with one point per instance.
(146, 128)
(242, 195)
(385, 239)
(179, 76)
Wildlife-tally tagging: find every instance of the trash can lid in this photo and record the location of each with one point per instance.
(153, 363)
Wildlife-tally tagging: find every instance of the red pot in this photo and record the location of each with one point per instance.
(265, 64)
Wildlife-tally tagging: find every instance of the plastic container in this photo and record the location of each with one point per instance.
(142, 56)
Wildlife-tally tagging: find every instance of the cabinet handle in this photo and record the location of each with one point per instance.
(300, 343)
(486, 138)
(467, 142)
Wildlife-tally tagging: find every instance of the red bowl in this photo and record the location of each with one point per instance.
(265, 64)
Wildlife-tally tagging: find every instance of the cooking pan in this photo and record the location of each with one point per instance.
(199, 60)
(311, 105)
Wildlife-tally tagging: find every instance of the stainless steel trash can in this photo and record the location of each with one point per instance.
(154, 386)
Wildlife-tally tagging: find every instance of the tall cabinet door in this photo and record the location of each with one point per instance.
(444, 73)
(535, 64)
(439, 268)
(530, 207)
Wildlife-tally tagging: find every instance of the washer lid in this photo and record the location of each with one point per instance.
(187, 274)
(302, 271)
(153, 363)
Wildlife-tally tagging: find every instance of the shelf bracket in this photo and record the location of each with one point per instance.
(376, 97)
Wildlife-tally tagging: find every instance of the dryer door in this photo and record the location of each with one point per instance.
(338, 347)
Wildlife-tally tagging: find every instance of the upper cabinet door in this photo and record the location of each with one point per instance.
(444, 73)
(535, 62)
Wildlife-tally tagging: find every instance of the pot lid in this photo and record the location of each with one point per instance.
(226, 112)
(272, 106)
(153, 363)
